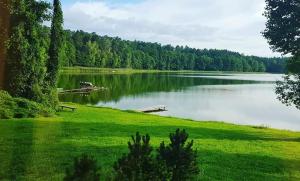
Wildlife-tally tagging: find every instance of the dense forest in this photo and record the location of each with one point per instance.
(91, 50)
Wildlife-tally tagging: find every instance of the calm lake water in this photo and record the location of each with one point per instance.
(235, 98)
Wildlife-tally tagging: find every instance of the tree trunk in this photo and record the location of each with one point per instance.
(4, 31)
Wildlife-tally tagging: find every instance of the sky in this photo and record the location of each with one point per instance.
(235, 25)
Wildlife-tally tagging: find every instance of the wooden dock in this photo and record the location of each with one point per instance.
(82, 90)
(159, 108)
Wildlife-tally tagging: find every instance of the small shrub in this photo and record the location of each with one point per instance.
(27, 108)
(6, 113)
(84, 169)
(7, 105)
(20, 108)
(138, 164)
(263, 126)
(179, 156)
(176, 162)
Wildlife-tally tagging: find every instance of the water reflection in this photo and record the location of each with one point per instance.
(242, 99)
(119, 86)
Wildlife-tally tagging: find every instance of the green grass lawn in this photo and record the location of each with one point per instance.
(41, 149)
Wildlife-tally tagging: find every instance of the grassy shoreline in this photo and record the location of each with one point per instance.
(95, 70)
(41, 148)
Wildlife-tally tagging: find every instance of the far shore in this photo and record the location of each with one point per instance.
(96, 70)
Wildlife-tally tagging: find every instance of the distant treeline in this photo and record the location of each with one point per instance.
(92, 50)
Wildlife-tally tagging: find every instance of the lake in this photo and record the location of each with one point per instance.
(247, 99)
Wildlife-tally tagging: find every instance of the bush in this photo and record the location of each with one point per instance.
(177, 161)
(179, 156)
(139, 164)
(6, 113)
(20, 108)
(84, 169)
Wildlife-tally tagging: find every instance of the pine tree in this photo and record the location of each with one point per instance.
(26, 54)
(139, 163)
(84, 168)
(56, 44)
(179, 156)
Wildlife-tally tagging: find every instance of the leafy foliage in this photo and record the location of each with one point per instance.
(282, 33)
(26, 52)
(179, 156)
(288, 91)
(282, 27)
(85, 169)
(56, 45)
(293, 64)
(28, 49)
(138, 164)
(20, 108)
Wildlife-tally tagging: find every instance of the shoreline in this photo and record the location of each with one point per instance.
(96, 70)
(190, 119)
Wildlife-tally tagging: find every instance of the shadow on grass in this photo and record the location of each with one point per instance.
(16, 151)
(119, 130)
(214, 164)
(218, 165)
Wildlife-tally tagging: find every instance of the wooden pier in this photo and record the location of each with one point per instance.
(159, 108)
(82, 90)
(85, 88)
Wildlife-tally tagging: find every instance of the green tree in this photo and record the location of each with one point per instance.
(68, 56)
(4, 28)
(293, 64)
(56, 45)
(288, 91)
(283, 35)
(26, 53)
(180, 158)
(261, 67)
(139, 163)
(93, 53)
(85, 168)
(283, 24)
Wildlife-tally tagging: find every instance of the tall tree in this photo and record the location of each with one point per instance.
(4, 30)
(282, 33)
(282, 29)
(283, 24)
(56, 44)
(26, 54)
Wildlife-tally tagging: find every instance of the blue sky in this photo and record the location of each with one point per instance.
(222, 24)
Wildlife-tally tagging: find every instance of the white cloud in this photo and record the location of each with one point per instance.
(221, 24)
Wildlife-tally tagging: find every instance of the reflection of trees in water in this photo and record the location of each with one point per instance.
(119, 86)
